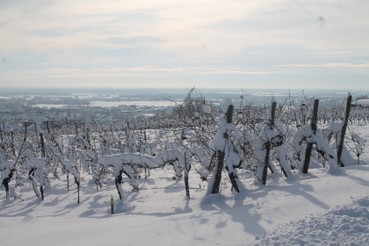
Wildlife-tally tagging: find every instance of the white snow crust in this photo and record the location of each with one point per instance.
(318, 208)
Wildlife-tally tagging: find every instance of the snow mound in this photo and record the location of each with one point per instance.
(348, 225)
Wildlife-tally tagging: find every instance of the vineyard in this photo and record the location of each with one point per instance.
(241, 141)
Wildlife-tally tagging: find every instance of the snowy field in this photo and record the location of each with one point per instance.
(313, 209)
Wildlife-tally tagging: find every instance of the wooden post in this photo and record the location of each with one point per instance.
(78, 198)
(218, 172)
(42, 192)
(12, 143)
(1, 135)
(186, 171)
(343, 131)
(78, 189)
(309, 147)
(43, 151)
(26, 124)
(43, 155)
(76, 128)
(229, 114)
(118, 181)
(48, 127)
(221, 155)
(67, 180)
(268, 144)
(112, 204)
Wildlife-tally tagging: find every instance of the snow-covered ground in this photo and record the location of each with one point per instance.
(50, 106)
(362, 102)
(313, 209)
(347, 225)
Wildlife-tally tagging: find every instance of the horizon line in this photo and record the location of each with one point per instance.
(167, 88)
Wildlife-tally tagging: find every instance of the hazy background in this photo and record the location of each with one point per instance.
(169, 43)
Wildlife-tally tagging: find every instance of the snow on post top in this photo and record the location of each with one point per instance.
(225, 105)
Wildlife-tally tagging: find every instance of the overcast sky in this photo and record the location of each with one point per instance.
(170, 43)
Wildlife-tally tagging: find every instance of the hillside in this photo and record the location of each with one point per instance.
(289, 212)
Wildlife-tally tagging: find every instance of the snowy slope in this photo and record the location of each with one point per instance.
(348, 225)
(330, 209)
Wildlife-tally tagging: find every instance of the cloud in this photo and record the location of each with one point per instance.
(192, 29)
(62, 72)
(172, 39)
(343, 65)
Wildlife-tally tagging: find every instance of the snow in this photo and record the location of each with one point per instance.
(347, 225)
(318, 208)
(160, 215)
(50, 106)
(362, 102)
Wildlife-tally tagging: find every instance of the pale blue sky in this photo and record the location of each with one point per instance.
(170, 43)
